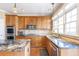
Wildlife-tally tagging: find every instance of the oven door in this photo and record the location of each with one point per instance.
(10, 39)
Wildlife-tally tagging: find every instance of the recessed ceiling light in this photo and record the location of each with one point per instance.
(15, 11)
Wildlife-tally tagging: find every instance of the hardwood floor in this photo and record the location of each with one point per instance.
(36, 51)
(12, 53)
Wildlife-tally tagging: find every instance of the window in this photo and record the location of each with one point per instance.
(60, 25)
(65, 21)
(55, 25)
(60, 29)
(72, 15)
(61, 20)
(69, 29)
(70, 26)
(69, 5)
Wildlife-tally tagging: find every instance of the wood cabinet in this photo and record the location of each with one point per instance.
(20, 37)
(52, 48)
(21, 22)
(43, 42)
(36, 41)
(27, 20)
(55, 50)
(44, 23)
(38, 23)
(48, 24)
(11, 20)
(30, 20)
(41, 22)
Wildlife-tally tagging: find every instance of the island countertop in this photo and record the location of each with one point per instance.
(16, 46)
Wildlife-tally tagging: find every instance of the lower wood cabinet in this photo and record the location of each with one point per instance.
(42, 42)
(52, 49)
(36, 41)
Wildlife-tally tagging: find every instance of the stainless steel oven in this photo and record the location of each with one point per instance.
(10, 34)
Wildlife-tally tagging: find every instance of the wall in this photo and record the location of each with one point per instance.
(2, 28)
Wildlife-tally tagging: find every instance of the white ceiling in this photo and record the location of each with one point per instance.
(30, 9)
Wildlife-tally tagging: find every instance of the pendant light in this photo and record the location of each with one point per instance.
(14, 8)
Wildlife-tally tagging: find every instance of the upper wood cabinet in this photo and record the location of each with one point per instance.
(11, 20)
(46, 22)
(30, 20)
(34, 20)
(21, 22)
(41, 22)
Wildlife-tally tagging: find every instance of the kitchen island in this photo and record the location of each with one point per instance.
(18, 48)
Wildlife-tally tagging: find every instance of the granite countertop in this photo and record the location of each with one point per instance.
(61, 43)
(16, 46)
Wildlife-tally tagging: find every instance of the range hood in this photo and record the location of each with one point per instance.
(31, 27)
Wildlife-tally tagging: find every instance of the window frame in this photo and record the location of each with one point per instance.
(63, 14)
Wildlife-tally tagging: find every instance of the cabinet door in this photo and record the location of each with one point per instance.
(34, 21)
(34, 42)
(49, 47)
(48, 24)
(21, 22)
(37, 42)
(45, 23)
(7, 20)
(38, 23)
(11, 20)
(26, 21)
(52, 48)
